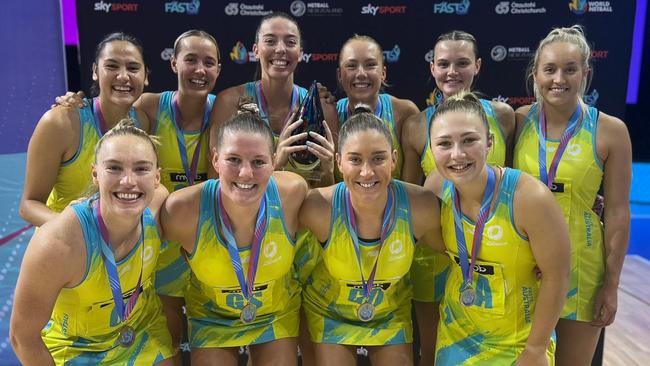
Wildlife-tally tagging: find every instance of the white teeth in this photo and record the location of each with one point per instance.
(459, 167)
(122, 88)
(361, 85)
(279, 62)
(198, 82)
(243, 186)
(367, 185)
(127, 196)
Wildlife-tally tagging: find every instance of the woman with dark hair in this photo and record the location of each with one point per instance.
(278, 47)
(61, 149)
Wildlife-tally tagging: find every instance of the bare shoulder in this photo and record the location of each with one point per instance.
(61, 238)
(184, 202)
(403, 107)
(420, 198)
(292, 188)
(531, 196)
(149, 103)
(317, 198)
(522, 112)
(231, 95)
(504, 112)
(611, 125)
(416, 123)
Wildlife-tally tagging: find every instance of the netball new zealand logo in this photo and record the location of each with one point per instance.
(239, 54)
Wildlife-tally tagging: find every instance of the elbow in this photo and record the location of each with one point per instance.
(23, 210)
(17, 338)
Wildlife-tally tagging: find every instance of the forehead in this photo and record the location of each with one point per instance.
(126, 147)
(450, 48)
(117, 49)
(364, 141)
(195, 44)
(279, 27)
(560, 52)
(456, 123)
(245, 143)
(360, 49)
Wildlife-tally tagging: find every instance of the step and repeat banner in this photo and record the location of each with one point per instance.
(507, 32)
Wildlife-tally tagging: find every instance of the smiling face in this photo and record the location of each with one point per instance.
(244, 162)
(361, 70)
(126, 174)
(454, 66)
(561, 74)
(460, 145)
(197, 65)
(366, 161)
(120, 73)
(278, 47)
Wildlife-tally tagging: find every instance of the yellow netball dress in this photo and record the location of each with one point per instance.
(337, 293)
(491, 326)
(181, 154)
(307, 246)
(74, 176)
(577, 180)
(218, 305)
(383, 111)
(85, 326)
(430, 269)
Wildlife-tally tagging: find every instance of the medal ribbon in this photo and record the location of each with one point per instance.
(378, 109)
(385, 228)
(190, 170)
(466, 268)
(123, 310)
(572, 127)
(99, 117)
(264, 105)
(245, 283)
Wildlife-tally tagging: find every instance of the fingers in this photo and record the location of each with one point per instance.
(325, 94)
(286, 131)
(288, 141)
(321, 152)
(328, 132)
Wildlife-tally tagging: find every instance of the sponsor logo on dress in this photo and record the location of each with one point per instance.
(452, 7)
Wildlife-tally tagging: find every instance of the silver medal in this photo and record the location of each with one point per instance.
(127, 336)
(248, 313)
(366, 312)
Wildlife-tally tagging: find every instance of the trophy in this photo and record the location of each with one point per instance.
(304, 162)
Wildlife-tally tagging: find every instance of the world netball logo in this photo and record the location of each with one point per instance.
(239, 54)
(298, 8)
(579, 7)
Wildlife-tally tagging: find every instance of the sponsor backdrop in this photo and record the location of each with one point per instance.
(507, 33)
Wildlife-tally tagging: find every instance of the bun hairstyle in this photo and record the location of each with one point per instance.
(574, 35)
(127, 127)
(362, 119)
(247, 120)
(464, 102)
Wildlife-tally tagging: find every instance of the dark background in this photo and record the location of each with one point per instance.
(408, 26)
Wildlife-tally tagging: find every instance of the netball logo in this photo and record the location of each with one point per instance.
(270, 249)
(167, 54)
(494, 232)
(428, 57)
(232, 9)
(499, 53)
(298, 8)
(396, 247)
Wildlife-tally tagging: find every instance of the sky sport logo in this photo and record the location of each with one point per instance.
(448, 7)
(383, 10)
(191, 8)
(115, 7)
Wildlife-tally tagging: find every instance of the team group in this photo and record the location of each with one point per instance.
(488, 220)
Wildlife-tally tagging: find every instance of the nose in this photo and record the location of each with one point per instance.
(246, 170)
(453, 69)
(457, 152)
(122, 74)
(128, 178)
(366, 170)
(281, 47)
(361, 72)
(558, 77)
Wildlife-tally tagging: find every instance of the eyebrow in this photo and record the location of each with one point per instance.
(462, 135)
(139, 162)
